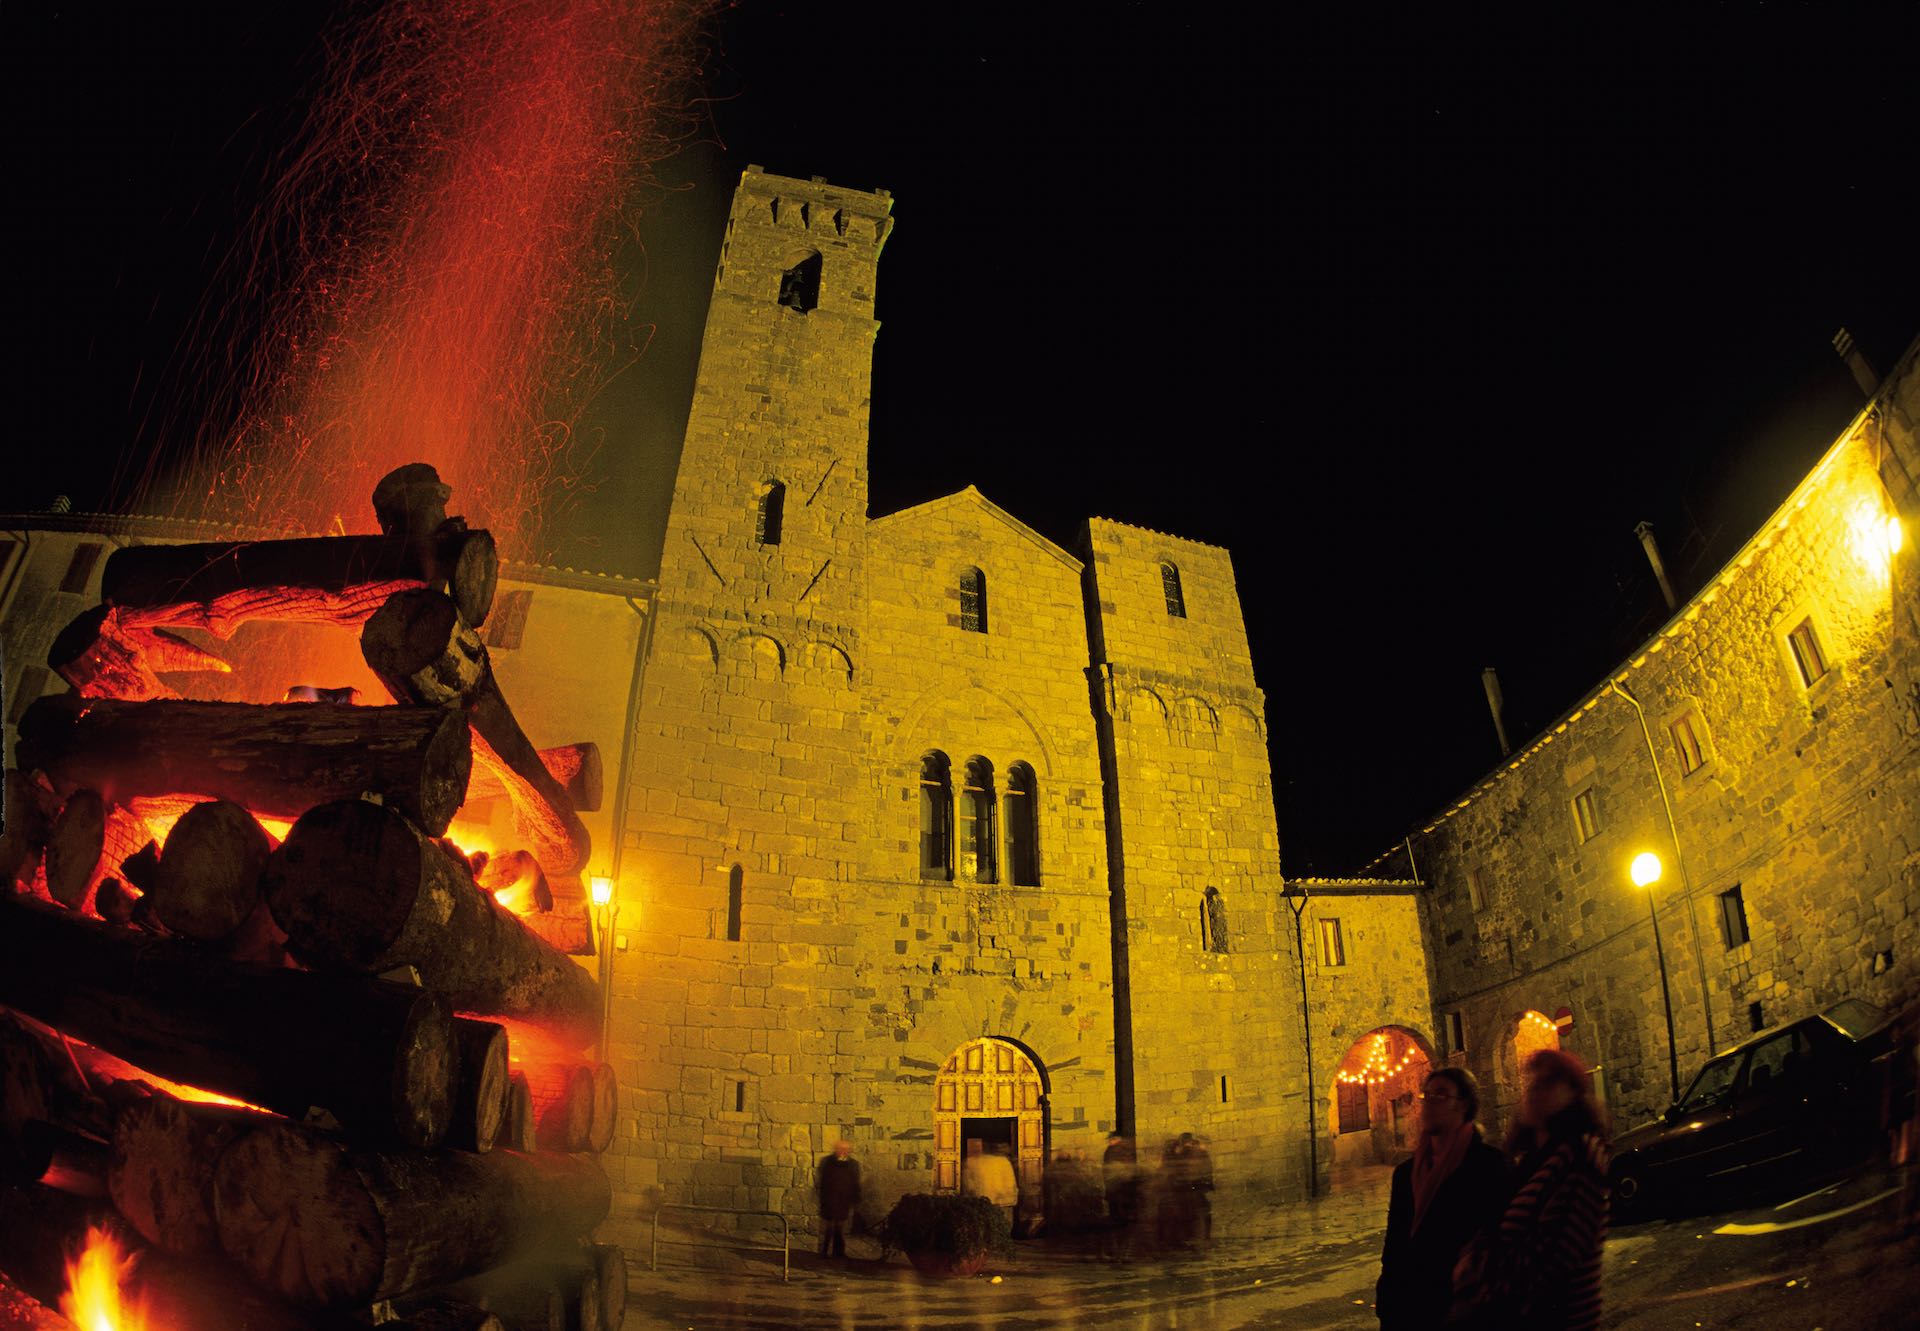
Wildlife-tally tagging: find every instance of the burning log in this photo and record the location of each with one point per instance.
(208, 880)
(516, 1118)
(87, 842)
(41, 1228)
(356, 886)
(516, 869)
(25, 1152)
(318, 1223)
(480, 1099)
(424, 652)
(160, 1168)
(319, 579)
(103, 654)
(280, 759)
(30, 809)
(606, 1104)
(576, 767)
(380, 1056)
(562, 1105)
(411, 500)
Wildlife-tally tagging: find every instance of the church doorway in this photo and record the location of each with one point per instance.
(991, 1092)
(1374, 1111)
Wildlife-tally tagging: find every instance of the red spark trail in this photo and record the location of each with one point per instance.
(443, 236)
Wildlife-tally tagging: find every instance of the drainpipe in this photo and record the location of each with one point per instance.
(1297, 903)
(1680, 861)
(649, 615)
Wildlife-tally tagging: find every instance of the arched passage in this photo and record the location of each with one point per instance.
(990, 1091)
(1374, 1106)
(1532, 1031)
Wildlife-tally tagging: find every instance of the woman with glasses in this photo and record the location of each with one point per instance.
(1454, 1186)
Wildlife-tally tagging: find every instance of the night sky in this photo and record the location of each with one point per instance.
(1417, 314)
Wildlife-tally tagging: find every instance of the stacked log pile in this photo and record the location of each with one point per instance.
(324, 1079)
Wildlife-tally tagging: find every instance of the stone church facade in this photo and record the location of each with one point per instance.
(934, 829)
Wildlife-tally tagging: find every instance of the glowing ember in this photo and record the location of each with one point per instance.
(441, 244)
(94, 1280)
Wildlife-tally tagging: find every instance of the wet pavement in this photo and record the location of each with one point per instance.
(1828, 1259)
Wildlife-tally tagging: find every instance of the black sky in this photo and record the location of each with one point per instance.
(1417, 313)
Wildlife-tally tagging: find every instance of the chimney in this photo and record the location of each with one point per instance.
(1862, 372)
(1645, 532)
(1490, 680)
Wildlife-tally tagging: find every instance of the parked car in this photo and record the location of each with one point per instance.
(1793, 1102)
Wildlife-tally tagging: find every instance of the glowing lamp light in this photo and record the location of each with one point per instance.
(602, 887)
(1896, 536)
(1645, 870)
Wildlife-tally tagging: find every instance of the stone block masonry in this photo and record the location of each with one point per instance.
(1782, 726)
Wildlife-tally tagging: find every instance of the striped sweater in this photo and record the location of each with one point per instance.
(1550, 1236)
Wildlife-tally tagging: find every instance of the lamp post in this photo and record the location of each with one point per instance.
(1645, 872)
(601, 887)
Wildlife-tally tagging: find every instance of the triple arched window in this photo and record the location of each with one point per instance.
(962, 838)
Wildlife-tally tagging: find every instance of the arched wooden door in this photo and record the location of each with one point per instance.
(989, 1090)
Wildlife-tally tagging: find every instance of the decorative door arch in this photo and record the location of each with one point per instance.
(989, 1089)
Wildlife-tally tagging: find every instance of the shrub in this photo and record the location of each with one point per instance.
(945, 1223)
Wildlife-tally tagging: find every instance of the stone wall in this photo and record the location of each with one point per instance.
(1805, 801)
(1208, 1042)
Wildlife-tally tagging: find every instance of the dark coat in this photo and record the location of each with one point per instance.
(839, 1187)
(1416, 1269)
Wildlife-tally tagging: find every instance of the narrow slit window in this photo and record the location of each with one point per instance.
(1733, 917)
(1808, 657)
(80, 567)
(1225, 1096)
(973, 601)
(1476, 891)
(739, 1097)
(735, 881)
(1586, 815)
(1023, 826)
(1457, 1032)
(1333, 943)
(771, 515)
(1686, 744)
(976, 822)
(936, 817)
(1213, 921)
(1170, 584)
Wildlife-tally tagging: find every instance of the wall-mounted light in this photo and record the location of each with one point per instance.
(602, 888)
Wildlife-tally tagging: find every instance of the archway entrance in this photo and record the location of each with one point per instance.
(1532, 1031)
(990, 1092)
(1375, 1109)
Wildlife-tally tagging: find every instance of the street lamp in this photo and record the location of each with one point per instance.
(601, 888)
(1645, 872)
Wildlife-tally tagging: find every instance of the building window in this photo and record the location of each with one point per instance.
(976, 821)
(739, 1097)
(1756, 1016)
(936, 817)
(1354, 1113)
(800, 285)
(1225, 1097)
(1170, 584)
(1733, 917)
(1213, 921)
(1476, 891)
(735, 880)
(507, 622)
(772, 511)
(1686, 743)
(32, 680)
(80, 567)
(973, 600)
(1586, 815)
(1807, 656)
(1333, 945)
(1023, 826)
(1456, 1032)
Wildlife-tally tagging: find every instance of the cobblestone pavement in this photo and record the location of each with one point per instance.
(1831, 1257)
